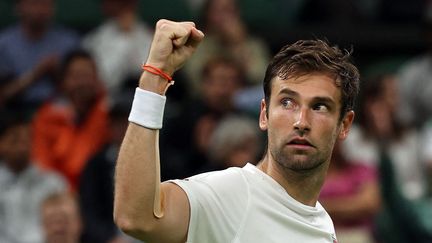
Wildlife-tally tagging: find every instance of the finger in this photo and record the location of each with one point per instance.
(182, 35)
(189, 23)
(177, 33)
(187, 30)
(195, 37)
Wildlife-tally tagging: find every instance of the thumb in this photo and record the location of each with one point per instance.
(196, 36)
(181, 41)
(192, 36)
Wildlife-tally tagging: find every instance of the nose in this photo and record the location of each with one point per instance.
(301, 123)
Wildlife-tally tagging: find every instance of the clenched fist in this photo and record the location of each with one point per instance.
(173, 43)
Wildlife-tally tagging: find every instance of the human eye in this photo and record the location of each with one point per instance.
(288, 103)
(321, 107)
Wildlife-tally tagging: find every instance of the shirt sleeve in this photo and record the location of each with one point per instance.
(218, 202)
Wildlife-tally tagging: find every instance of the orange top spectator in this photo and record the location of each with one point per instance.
(72, 127)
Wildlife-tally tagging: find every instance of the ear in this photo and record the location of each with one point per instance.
(346, 124)
(263, 116)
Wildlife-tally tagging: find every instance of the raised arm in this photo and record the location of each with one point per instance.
(143, 207)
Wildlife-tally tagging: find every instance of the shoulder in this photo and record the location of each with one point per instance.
(326, 221)
(49, 179)
(415, 67)
(218, 204)
(210, 188)
(101, 32)
(221, 180)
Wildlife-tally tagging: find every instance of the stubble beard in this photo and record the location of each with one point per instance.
(299, 161)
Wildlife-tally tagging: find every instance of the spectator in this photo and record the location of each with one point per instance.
(61, 219)
(379, 124)
(23, 185)
(29, 53)
(415, 82)
(351, 196)
(71, 128)
(120, 44)
(234, 142)
(226, 35)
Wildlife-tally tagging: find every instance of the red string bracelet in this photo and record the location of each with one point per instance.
(156, 71)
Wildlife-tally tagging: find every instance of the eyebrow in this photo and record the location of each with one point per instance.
(325, 100)
(288, 92)
(317, 99)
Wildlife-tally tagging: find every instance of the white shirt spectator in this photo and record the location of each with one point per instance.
(20, 200)
(118, 54)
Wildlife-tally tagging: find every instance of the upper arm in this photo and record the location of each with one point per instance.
(173, 225)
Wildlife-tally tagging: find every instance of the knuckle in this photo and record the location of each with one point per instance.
(161, 23)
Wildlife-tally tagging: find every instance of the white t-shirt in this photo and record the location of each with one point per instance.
(245, 205)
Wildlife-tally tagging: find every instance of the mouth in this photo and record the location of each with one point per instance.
(300, 143)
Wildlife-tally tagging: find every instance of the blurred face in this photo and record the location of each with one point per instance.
(113, 8)
(61, 221)
(220, 86)
(303, 121)
(80, 82)
(15, 147)
(36, 13)
(220, 11)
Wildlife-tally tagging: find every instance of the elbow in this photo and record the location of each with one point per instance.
(122, 221)
(132, 226)
(128, 225)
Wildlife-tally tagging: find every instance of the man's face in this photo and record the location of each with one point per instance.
(303, 121)
(36, 13)
(220, 86)
(80, 81)
(61, 221)
(15, 147)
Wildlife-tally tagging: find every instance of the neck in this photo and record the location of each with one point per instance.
(302, 186)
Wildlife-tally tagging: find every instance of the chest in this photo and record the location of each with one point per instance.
(276, 223)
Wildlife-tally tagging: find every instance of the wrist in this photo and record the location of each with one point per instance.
(162, 66)
(147, 109)
(160, 81)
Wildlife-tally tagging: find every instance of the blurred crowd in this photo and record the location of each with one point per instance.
(66, 92)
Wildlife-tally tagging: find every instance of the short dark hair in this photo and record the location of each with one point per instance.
(307, 56)
(71, 56)
(226, 61)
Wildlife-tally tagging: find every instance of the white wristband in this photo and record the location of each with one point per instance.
(147, 109)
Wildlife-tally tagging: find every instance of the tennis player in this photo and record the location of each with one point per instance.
(309, 88)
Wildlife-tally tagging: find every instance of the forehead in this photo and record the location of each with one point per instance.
(308, 86)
